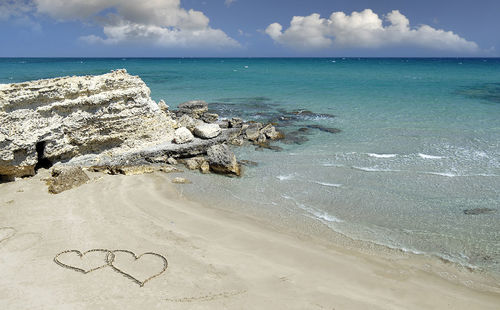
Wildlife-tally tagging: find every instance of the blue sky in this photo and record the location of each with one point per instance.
(248, 28)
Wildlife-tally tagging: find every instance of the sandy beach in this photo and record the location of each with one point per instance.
(216, 259)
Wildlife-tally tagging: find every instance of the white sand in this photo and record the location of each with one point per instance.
(217, 259)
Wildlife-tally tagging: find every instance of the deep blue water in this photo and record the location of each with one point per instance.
(419, 141)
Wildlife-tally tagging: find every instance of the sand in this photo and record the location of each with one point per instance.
(216, 259)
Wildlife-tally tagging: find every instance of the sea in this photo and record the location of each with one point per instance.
(399, 152)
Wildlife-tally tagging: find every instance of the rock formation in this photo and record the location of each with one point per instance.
(65, 178)
(109, 123)
(53, 120)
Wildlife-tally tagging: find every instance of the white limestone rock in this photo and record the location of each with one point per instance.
(183, 135)
(207, 131)
(72, 116)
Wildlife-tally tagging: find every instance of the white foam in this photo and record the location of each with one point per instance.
(382, 155)
(444, 174)
(425, 156)
(328, 184)
(285, 177)
(372, 169)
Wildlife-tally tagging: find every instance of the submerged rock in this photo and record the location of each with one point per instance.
(182, 135)
(194, 108)
(65, 178)
(222, 160)
(478, 211)
(210, 117)
(62, 118)
(325, 129)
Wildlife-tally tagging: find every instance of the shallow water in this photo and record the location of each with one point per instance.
(419, 141)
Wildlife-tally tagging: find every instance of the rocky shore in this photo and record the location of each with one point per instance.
(110, 123)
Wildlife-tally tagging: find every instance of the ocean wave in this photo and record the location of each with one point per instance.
(381, 155)
(373, 169)
(285, 177)
(327, 184)
(313, 212)
(425, 156)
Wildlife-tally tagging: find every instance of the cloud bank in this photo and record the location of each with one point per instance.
(364, 30)
(160, 22)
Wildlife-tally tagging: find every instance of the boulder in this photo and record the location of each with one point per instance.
(65, 178)
(194, 108)
(207, 131)
(270, 132)
(235, 122)
(223, 123)
(188, 122)
(54, 120)
(182, 135)
(205, 167)
(252, 133)
(210, 117)
(194, 163)
(222, 160)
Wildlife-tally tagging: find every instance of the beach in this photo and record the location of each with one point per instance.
(217, 259)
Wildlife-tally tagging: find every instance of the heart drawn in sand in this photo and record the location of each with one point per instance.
(137, 268)
(76, 260)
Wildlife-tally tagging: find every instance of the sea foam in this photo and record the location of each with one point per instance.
(425, 156)
(381, 155)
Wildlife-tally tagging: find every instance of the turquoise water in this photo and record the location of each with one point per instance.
(419, 141)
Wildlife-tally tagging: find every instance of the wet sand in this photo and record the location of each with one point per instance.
(216, 259)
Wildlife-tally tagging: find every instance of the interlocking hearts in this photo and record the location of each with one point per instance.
(133, 268)
(95, 264)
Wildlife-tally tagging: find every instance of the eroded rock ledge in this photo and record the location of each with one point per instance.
(110, 120)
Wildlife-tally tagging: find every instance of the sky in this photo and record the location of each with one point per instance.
(249, 28)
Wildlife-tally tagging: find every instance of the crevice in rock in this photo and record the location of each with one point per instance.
(42, 161)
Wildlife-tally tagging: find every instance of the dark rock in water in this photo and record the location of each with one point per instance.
(488, 92)
(265, 145)
(222, 160)
(325, 129)
(65, 178)
(478, 211)
(210, 117)
(248, 163)
(303, 130)
(295, 137)
(193, 107)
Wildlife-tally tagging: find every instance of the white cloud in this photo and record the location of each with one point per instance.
(14, 8)
(364, 30)
(229, 2)
(160, 22)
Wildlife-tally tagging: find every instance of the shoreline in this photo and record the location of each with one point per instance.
(216, 258)
(317, 231)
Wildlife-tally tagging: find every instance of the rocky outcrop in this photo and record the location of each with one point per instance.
(110, 124)
(58, 119)
(65, 178)
(222, 160)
